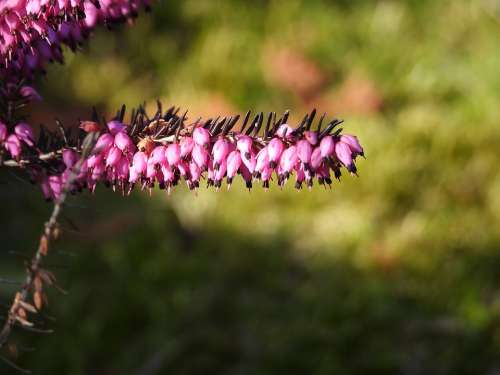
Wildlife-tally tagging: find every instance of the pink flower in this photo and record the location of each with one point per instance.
(327, 146)
(274, 150)
(195, 173)
(139, 163)
(25, 133)
(304, 152)
(233, 164)
(158, 155)
(13, 145)
(262, 160)
(104, 143)
(46, 190)
(201, 136)
(289, 159)
(173, 154)
(220, 173)
(123, 142)
(114, 157)
(115, 127)
(244, 145)
(219, 152)
(311, 137)
(30, 93)
(344, 154)
(285, 131)
(70, 157)
(200, 156)
(3, 132)
(316, 158)
(353, 143)
(55, 183)
(186, 145)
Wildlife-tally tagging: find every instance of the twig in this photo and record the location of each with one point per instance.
(34, 271)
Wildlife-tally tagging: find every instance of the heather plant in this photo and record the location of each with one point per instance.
(137, 150)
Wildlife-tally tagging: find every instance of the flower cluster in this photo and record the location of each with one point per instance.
(165, 151)
(32, 31)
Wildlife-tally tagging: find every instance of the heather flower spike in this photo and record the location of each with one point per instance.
(137, 154)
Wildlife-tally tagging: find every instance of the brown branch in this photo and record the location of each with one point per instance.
(34, 272)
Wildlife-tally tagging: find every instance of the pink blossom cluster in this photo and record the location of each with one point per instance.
(123, 161)
(32, 31)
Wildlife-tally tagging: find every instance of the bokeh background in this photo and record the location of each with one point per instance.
(395, 272)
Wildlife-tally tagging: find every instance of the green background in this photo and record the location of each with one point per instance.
(394, 272)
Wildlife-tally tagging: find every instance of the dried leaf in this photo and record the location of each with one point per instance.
(12, 349)
(37, 283)
(56, 232)
(37, 299)
(27, 306)
(23, 321)
(44, 245)
(21, 313)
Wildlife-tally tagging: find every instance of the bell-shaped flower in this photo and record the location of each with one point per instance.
(274, 150)
(70, 157)
(201, 136)
(219, 152)
(123, 142)
(186, 144)
(13, 146)
(25, 133)
(113, 157)
(104, 143)
(344, 154)
(233, 164)
(173, 154)
(327, 146)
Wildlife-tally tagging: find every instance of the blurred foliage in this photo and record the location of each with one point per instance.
(394, 272)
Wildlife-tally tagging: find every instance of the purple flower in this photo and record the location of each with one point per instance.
(25, 133)
(327, 146)
(3, 132)
(201, 136)
(173, 154)
(344, 154)
(13, 145)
